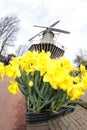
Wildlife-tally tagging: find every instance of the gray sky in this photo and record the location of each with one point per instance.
(71, 13)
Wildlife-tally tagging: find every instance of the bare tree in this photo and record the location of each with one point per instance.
(22, 49)
(80, 57)
(9, 27)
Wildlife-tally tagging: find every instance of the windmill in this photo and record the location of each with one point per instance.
(47, 41)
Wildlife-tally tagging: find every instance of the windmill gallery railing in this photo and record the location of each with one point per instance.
(55, 51)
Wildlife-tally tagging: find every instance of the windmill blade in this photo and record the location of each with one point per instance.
(49, 26)
(40, 26)
(59, 30)
(54, 23)
(35, 35)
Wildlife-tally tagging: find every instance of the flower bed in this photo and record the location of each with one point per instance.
(46, 84)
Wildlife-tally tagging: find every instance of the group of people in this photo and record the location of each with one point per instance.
(6, 60)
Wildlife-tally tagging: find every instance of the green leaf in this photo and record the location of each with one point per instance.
(24, 92)
(80, 101)
(36, 85)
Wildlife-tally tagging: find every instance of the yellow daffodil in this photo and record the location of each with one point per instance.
(82, 68)
(76, 79)
(15, 61)
(13, 87)
(76, 91)
(30, 83)
(12, 71)
(2, 70)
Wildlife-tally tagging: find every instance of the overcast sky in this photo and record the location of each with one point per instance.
(71, 13)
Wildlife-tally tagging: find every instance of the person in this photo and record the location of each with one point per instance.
(3, 60)
(8, 59)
